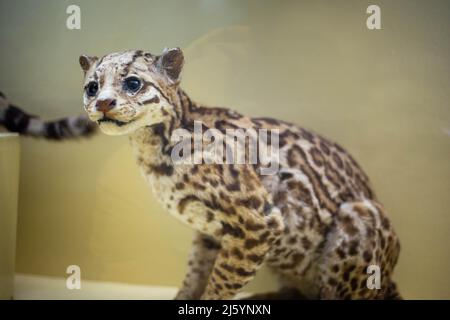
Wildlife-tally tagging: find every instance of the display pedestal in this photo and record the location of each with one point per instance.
(9, 189)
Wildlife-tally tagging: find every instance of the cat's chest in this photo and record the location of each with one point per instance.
(173, 185)
(182, 201)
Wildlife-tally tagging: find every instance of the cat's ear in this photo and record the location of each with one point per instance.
(170, 64)
(86, 62)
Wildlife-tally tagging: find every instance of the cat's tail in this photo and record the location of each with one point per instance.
(15, 119)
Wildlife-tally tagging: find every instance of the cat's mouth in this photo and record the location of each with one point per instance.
(117, 122)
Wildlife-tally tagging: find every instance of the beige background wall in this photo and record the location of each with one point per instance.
(382, 94)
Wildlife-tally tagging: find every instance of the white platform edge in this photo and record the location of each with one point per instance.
(35, 287)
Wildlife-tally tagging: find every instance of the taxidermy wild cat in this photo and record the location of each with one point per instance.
(316, 221)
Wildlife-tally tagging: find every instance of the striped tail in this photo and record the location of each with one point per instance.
(15, 119)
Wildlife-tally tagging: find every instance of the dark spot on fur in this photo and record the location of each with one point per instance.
(340, 253)
(213, 183)
(292, 240)
(385, 223)
(220, 274)
(317, 157)
(235, 186)
(353, 247)
(306, 243)
(244, 273)
(324, 147)
(179, 185)
(237, 285)
(337, 160)
(198, 186)
(285, 175)
(251, 243)
(297, 257)
(255, 258)
(367, 255)
(346, 276)
(183, 202)
(349, 227)
(332, 282)
(194, 169)
(354, 284)
(234, 231)
(209, 216)
(272, 223)
(227, 267)
(348, 169)
(237, 253)
(254, 226)
(210, 244)
(267, 209)
(251, 202)
(155, 99)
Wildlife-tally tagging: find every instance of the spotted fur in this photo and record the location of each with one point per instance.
(316, 222)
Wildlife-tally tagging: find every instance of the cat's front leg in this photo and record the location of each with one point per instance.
(201, 260)
(242, 252)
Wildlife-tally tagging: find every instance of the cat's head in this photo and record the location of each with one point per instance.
(128, 90)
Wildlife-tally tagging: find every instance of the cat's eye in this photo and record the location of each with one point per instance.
(132, 84)
(92, 88)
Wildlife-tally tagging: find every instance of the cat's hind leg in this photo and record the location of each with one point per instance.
(360, 247)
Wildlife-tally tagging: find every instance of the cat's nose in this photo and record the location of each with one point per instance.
(105, 105)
